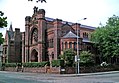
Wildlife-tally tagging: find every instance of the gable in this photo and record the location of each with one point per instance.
(66, 28)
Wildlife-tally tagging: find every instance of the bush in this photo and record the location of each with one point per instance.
(57, 63)
(86, 58)
(86, 64)
(68, 57)
(10, 64)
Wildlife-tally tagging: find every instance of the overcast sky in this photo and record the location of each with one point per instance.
(95, 11)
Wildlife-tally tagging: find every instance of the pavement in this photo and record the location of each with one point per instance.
(69, 75)
(87, 74)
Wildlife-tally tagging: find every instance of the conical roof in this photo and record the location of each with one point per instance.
(70, 34)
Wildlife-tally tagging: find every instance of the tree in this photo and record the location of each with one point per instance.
(86, 58)
(106, 39)
(68, 57)
(1, 39)
(3, 22)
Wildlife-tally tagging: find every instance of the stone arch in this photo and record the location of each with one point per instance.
(70, 44)
(34, 35)
(52, 54)
(34, 55)
(66, 45)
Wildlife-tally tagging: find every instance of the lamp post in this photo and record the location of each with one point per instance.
(78, 58)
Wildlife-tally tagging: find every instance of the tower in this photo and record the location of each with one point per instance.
(35, 33)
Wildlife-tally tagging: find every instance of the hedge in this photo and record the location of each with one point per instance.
(28, 64)
(57, 63)
(36, 64)
(10, 64)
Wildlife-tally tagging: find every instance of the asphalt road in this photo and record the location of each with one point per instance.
(17, 77)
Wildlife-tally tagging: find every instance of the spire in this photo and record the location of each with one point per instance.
(11, 29)
(11, 33)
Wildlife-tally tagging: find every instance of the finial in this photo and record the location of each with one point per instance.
(35, 9)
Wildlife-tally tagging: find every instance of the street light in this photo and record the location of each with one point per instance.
(78, 58)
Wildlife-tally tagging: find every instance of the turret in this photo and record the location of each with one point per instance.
(27, 32)
(40, 13)
(27, 19)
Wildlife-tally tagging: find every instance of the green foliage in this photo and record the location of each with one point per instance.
(31, 64)
(68, 57)
(35, 64)
(10, 64)
(86, 58)
(106, 38)
(57, 63)
(113, 21)
(3, 22)
(1, 39)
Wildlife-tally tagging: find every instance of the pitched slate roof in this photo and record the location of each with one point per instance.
(89, 27)
(49, 19)
(70, 23)
(70, 34)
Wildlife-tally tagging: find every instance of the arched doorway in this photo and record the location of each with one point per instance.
(34, 56)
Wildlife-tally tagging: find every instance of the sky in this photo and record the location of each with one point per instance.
(96, 11)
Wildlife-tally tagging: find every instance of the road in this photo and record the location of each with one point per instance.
(17, 77)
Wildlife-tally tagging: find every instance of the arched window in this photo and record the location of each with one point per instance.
(34, 35)
(87, 35)
(52, 55)
(66, 45)
(79, 33)
(70, 44)
(83, 34)
(51, 45)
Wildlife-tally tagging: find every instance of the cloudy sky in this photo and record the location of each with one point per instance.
(95, 11)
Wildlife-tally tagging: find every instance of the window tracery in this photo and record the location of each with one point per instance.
(35, 35)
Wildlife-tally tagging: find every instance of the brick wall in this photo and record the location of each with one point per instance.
(35, 69)
(58, 70)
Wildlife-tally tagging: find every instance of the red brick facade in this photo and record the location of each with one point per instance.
(46, 38)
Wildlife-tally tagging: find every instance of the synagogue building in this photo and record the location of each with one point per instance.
(45, 39)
